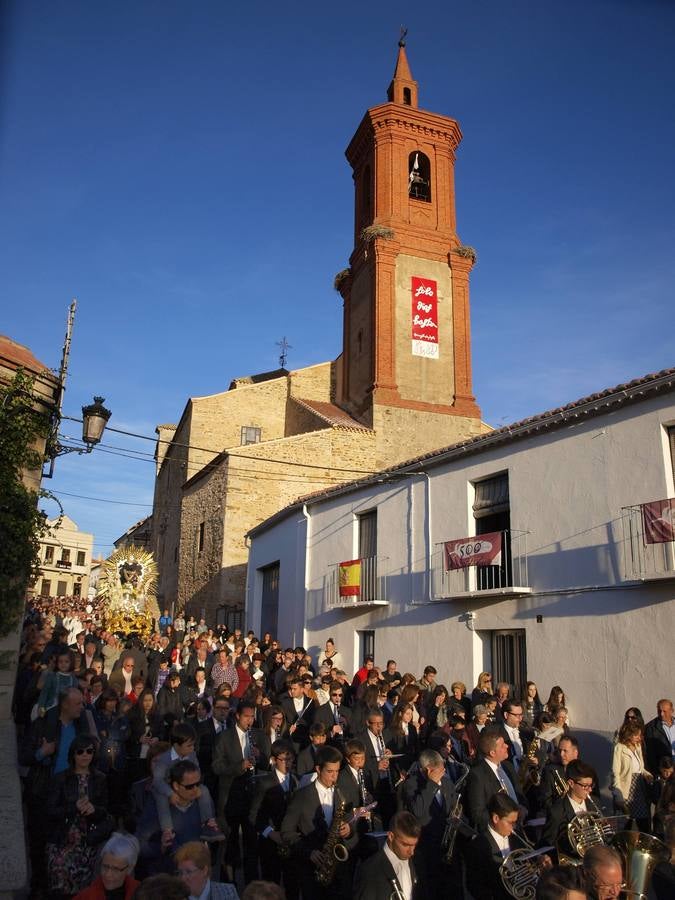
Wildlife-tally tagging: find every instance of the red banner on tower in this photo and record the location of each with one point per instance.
(424, 317)
(483, 550)
(659, 521)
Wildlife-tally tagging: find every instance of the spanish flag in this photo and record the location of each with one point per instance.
(350, 578)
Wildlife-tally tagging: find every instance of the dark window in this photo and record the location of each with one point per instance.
(419, 176)
(368, 554)
(49, 554)
(509, 659)
(250, 435)
(407, 98)
(80, 557)
(269, 614)
(366, 645)
(77, 589)
(491, 511)
(61, 588)
(359, 341)
(200, 537)
(175, 554)
(46, 588)
(65, 555)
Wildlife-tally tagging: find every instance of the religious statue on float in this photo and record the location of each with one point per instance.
(127, 584)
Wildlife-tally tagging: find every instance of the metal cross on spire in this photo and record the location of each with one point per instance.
(285, 347)
(404, 33)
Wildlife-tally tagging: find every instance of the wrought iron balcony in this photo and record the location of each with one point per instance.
(372, 587)
(644, 561)
(509, 579)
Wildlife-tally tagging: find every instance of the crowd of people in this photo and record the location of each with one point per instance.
(200, 760)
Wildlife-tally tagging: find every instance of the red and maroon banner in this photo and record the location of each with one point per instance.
(424, 317)
(482, 550)
(659, 521)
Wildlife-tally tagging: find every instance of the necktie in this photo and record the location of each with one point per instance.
(505, 782)
(336, 715)
(438, 797)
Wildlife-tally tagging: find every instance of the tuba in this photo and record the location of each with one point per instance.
(641, 854)
(519, 872)
(333, 850)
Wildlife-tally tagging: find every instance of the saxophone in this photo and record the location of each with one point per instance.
(333, 851)
(529, 773)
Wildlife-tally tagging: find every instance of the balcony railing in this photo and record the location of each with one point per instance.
(508, 579)
(643, 561)
(373, 586)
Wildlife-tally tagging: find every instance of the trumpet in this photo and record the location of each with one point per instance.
(560, 786)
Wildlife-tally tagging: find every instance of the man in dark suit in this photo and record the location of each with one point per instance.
(660, 736)
(335, 716)
(580, 778)
(237, 753)
(393, 867)
(430, 796)
(207, 733)
(553, 778)
(377, 764)
(296, 708)
(306, 761)
(306, 827)
(272, 794)
(486, 853)
(492, 773)
(356, 786)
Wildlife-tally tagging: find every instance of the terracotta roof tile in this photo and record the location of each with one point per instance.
(332, 414)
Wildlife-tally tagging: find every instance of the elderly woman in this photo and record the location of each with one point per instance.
(116, 881)
(78, 819)
(629, 776)
(459, 702)
(193, 866)
(474, 728)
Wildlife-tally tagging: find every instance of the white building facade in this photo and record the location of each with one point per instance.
(580, 599)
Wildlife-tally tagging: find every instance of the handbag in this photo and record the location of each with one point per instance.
(100, 831)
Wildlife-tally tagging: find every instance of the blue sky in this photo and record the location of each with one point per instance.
(179, 168)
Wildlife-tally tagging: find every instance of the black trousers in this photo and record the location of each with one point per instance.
(239, 823)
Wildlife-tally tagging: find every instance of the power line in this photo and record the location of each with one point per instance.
(102, 499)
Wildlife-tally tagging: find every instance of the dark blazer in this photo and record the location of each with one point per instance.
(324, 714)
(418, 797)
(398, 743)
(555, 829)
(62, 798)
(306, 760)
(270, 801)
(481, 785)
(483, 861)
(372, 761)
(656, 745)
(304, 826)
(206, 741)
(48, 728)
(300, 736)
(227, 764)
(375, 876)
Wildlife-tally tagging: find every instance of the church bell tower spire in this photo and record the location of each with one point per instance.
(406, 343)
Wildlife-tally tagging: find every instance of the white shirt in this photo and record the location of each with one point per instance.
(326, 800)
(501, 841)
(670, 733)
(402, 871)
(516, 740)
(579, 806)
(299, 704)
(243, 741)
(379, 751)
(284, 779)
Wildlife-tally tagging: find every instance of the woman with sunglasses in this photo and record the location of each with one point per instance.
(78, 819)
(483, 690)
(116, 881)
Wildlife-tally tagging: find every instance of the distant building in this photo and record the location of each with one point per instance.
(94, 574)
(401, 385)
(65, 560)
(140, 535)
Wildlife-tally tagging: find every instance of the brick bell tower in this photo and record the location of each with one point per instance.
(406, 364)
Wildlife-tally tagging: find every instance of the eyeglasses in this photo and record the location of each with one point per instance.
(584, 785)
(89, 750)
(336, 694)
(106, 867)
(186, 872)
(192, 786)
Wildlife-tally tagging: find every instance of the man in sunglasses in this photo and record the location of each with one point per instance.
(185, 780)
(335, 716)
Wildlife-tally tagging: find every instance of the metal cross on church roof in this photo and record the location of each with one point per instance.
(285, 347)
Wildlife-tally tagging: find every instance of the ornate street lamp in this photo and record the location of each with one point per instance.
(94, 419)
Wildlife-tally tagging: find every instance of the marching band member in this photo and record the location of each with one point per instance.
(390, 874)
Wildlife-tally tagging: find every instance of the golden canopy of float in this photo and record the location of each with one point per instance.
(128, 584)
